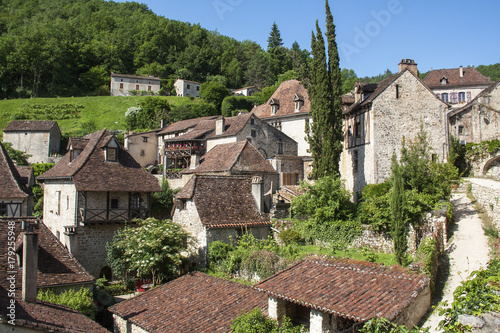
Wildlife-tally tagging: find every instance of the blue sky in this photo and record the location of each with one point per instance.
(372, 35)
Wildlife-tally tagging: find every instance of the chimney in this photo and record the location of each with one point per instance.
(30, 265)
(163, 123)
(461, 69)
(195, 161)
(71, 236)
(410, 64)
(258, 192)
(357, 92)
(220, 126)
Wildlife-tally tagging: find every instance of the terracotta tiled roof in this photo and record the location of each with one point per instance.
(351, 289)
(195, 302)
(30, 125)
(235, 158)
(11, 183)
(233, 125)
(48, 317)
(471, 77)
(289, 192)
(347, 99)
(55, 265)
(183, 125)
(223, 201)
(90, 172)
(285, 94)
(130, 76)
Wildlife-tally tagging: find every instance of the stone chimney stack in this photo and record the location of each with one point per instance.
(357, 92)
(30, 265)
(220, 126)
(195, 161)
(163, 123)
(461, 69)
(258, 192)
(410, 64)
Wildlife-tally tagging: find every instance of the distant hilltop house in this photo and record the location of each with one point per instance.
(384, 113)
(457, 86)
(185, 88)
(245, 91)
(123, 84)
(93, 191)
(39, 138)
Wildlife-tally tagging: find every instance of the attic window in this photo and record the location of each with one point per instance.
(280, 147)
(111, 154)
(298, 105)
(274, 108)
(397, 91)
(444, 80)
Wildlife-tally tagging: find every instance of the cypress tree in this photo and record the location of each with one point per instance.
(325, 133)
(397, 205)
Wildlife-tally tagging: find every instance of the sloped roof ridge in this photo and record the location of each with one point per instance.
(484, 92)
(14, 174)
(93, 146)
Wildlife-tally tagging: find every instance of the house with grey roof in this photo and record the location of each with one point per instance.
(39, 138)
(381, 116)
(195, 302)
(457, 86)
(91, 193)
(328, 295)
(126, 84)
(220, 208)
(16, 198)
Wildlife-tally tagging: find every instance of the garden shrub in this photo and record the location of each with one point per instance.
(80, 300)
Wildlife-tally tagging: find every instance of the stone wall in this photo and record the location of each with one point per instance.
(36, 144)
(489, 199)
(416, 309)
(123, 326)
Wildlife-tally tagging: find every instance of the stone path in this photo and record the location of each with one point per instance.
(467, 251)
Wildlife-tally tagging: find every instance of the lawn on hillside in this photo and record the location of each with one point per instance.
(107, 111)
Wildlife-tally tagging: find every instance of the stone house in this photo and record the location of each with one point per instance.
(194, 137)
(237, 159)
(335, 296)
(246, 91)
(195, 302)
(91, 193)
(479, 120)
(142, 146)
(16, 198)
(185, 88)
(382, 115)
(123, 84)
(214, 208)
(39, 138)
(457, 86)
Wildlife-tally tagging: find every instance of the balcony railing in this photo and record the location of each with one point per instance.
(112, 215)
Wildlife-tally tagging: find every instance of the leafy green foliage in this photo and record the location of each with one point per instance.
(150, 250)
(290, 236)
(478, 294)
(80, 300)
(492, 71)
(48, 112)
(398, 219)
(148, 115)
(232, 104)
(382, 325)
(255, 322)
(427, 253)
(348, 78)
(214, 92)
(163, 201)
(39, 168)
(17, 156)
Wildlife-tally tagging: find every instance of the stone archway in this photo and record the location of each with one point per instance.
(106, 272)
(492, 167)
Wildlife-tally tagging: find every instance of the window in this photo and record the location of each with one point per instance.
(3, 209)
(188, 86)
(252, 121)
(136, 87)
(357, 129)
(67, 202)
(461, 130)
(136, 81)
(444, 97)
(197, 88)
(280, 147)
(254, 134)
(461, 97)
(274, 108)
(144, 139)
(58, 195)
(453, 98)
(111, 154)
(355, 161)
(114, 203)
(149, 88)
(397, 90)
(121, 86)
(434, 157)
(143, 152)
(136, 202)
(121, 80)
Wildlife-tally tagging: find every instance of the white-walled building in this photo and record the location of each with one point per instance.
(185, 88)
(123, 84)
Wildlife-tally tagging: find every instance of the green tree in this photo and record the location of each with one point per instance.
(214, 92)
(80, 300)
(19, 157)
(325, 133)
(232, 104)
(255, 322)
(150, 250)
(274, 40)
(349, 79)
(163, 201)
(259, 71)
(397, 205)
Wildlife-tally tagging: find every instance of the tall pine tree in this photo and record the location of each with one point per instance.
(274, 40)
(325, 93)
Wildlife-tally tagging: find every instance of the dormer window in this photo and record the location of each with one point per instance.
(274, 109)
(275, 105)
(111, 154)
(299, 102)
(444, 80)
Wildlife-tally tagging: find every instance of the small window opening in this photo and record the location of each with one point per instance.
(397, 91)
(461, 130)
(114, 203)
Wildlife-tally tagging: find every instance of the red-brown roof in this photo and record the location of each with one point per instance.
(223, 201)
(183, 125)
(56, 266)
(130, 76)
(11, 183)
(47, 317)
(483, 93)
(351, 289)
(471, 77)
(285, 95)
(90, 172)
(26, 174)
(30, 125)
(234, 158)
(195, 302)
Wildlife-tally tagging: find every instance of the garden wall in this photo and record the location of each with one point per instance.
(489, 198)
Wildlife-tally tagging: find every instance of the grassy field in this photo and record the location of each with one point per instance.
(107, 111)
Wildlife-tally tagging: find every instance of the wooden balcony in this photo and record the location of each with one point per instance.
(101, 216)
